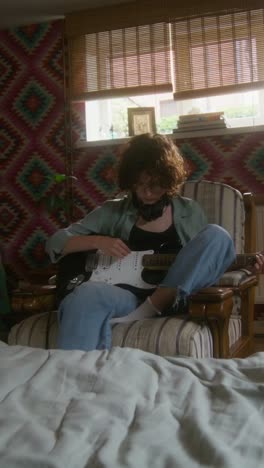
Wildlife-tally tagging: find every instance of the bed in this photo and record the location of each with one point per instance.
(129, 408)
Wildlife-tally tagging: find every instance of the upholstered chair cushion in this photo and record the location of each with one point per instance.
(165, 336)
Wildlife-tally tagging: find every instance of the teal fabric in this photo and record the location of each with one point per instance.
(117, 217)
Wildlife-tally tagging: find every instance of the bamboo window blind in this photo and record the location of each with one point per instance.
(122, 62)
(193, 57)
(218, 54)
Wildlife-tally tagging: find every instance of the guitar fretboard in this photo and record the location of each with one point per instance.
(243, 261)
(163, 261)
(158, 261)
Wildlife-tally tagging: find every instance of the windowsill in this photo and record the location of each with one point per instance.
(180, 135)
(114, 141)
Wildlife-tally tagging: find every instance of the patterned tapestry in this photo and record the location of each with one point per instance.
(236, 159)
(31, 138)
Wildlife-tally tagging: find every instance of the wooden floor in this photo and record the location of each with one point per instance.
(259, 343)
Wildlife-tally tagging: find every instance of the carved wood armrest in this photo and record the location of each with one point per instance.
(34, 298)
(38, 277)
(248, 283)
(213, 296)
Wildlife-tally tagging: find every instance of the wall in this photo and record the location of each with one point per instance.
(31, 138)
(235, 159)
(33, 148)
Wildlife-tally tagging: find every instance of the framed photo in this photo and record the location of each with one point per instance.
(141, 120)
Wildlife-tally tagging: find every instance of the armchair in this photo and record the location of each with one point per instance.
(227, 207)
(220, 319)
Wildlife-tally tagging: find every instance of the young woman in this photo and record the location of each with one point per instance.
(151, 215)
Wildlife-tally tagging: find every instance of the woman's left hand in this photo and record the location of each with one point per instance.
(259, 265)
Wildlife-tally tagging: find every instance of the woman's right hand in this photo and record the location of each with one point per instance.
(107, 245)
(112, 246)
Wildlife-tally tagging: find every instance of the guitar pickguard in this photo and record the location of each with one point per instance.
(112, 270)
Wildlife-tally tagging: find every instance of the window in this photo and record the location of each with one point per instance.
(178, 66)
(107, 119)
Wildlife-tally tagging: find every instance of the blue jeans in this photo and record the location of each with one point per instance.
(85, 314)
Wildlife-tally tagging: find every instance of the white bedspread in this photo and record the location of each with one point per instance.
(129, 408)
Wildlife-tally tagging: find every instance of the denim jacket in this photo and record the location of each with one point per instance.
(116, 218)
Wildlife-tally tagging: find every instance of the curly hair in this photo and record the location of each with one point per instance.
(155, 155)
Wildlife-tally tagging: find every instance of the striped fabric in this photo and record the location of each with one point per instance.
(37, 331)
(234, 329)
(237, 304)
(165, 336)
(222, 205)
(233, 278)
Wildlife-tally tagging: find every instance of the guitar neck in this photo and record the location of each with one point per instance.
(164, 261)
(243, 261)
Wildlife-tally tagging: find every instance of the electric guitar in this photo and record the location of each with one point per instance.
(75, 268)
(137, 271)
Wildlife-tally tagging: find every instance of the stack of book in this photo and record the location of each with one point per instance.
(196, 122)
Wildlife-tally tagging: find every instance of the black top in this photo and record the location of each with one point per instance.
(167, 241)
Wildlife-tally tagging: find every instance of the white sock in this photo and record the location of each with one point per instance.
(158, 312)
(145, 310)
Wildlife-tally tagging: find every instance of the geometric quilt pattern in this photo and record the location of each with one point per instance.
(96, 174)
(32, 148)
(9, 68)
(30, 36)
(236, 159)
(12, 215)
(11, 142)
(36, 178)
(33, 103)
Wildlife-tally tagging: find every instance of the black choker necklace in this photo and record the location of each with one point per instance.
(149, 212)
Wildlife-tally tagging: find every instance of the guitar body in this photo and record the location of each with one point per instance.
(112, 270)
(129, 272)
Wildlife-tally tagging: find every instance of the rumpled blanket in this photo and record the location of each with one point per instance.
(129, 408)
